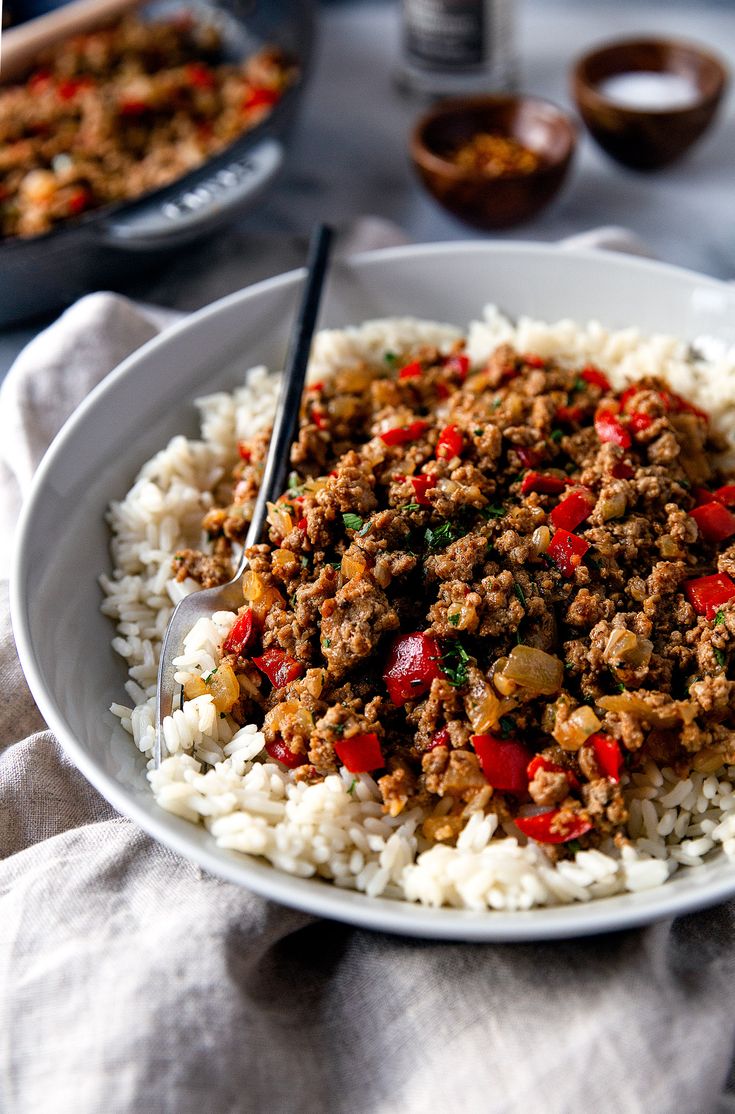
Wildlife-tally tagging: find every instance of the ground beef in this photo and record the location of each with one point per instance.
(414, 565)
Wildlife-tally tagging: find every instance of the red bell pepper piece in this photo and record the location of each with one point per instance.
(242, 635)
(79, 200)
(621, 471)
(283, 754)
(639, 422)
(707, 593)
(39, 80)
(68, 89)
(566, 551)
(608, 755)
(608, 427)
(541, 763)
(549, 827)
(459, 365)
(702, 495)
(421, 485)
(260, 97)
(532, 360)
(726, 495)
(529, 458)
(627, 395)
(715, 521)
(411, 371)
(679, 405)
(544, 485)
(132, 107)
(404, 433)
(302, 525)
(199, 75)
(413, 663)
(319, 418)
(570, 414)
(440, 739)
(596, 378)
(504, 762)
(450, 443)
(360, 753)
(279, 668)
(573, 510)
(244, 452)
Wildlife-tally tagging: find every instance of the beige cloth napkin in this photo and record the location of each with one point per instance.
(132, 983)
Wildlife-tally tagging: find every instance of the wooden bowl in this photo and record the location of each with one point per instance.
(481, 200)
(648, 138)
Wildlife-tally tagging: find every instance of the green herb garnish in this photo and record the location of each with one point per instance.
(507, 726)
(454, 619)
(411, 507)
(365, 530)
(492, 512)
(556, 435)
(326, 642)
(390, 359)
(479, 432)
(304, 562)
(352, 521)
(496, 403)
(520, 593)
(440, 537)
(209, 676)
(293, 481)
(352, 787)
(719, 618)
(574, 846)
(620, 687)
(721, 658)
(579, 385)
(454, 663)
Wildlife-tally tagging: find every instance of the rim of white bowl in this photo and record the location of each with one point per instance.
(312, 895)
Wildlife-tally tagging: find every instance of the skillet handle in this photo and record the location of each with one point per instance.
(211, 200)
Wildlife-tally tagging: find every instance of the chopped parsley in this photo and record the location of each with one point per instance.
(479, 432)
(293, 481)
(579, 385)
(556, 435)
(353, 786)
(453, 618)
(454, 664)
(304, 562)
(719, 618)
(721, 657)
(496, 402)
(326, 642)
(620, 687)
(492, 512)
(209, 676)
(365, 530)
(411, 507)
(574, 846)
(507, 726)
(339, 728)
(390, 359)
(520, 593)
(440, 537)
(352, 521)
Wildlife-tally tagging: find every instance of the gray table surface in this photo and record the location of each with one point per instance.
(349, 156)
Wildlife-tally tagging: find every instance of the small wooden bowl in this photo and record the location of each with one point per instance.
(481, 200)
(646, 138)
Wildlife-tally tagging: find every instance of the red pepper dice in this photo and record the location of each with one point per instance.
(413, 663)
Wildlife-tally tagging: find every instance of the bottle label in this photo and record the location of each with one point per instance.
(450, 34)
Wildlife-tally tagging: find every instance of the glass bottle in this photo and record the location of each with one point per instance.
(452, 47)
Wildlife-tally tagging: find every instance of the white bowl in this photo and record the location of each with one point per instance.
(62, 545)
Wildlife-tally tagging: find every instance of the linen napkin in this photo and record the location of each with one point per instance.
(133, 983)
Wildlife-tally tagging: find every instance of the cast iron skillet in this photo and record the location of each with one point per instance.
(44, 273)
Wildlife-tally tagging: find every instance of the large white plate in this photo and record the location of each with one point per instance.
(62, 544)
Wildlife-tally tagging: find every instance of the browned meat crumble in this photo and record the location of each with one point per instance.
(502, 586)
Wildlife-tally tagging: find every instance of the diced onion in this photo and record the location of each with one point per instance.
(279, 518)
(541, 538)
(462, 616)
(629, 703)
(623, 646)
(534, 670)
(284, 561)
(353, 565)
(482, 706)
(259, 595)
(612, 505)
(571, 733)
(195, 687)
(707, 761)
(668, 546)
(292, 714)
(224, 687)
(353, 379)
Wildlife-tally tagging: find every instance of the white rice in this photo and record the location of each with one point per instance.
(217, 773)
